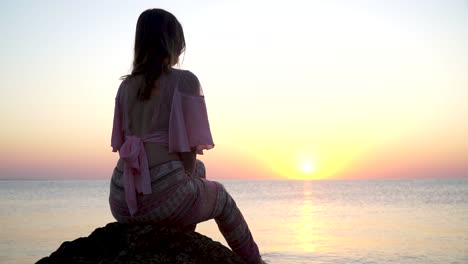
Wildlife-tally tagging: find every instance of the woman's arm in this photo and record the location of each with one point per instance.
(188, 159)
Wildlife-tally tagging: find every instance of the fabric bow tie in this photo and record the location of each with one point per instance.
(136, 171)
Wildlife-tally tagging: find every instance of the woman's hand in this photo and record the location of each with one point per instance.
(188, 159)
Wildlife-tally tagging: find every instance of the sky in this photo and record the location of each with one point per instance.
(295, 89)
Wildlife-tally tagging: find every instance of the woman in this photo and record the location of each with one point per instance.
(160, 124)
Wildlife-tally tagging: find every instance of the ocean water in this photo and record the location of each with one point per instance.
(375, 221)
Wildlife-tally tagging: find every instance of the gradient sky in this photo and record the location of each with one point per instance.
(295, 89)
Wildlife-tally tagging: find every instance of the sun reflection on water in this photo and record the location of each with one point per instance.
(307, 226)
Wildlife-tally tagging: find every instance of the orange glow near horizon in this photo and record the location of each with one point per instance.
(334, 91)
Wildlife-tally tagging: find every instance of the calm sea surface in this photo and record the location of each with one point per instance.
(395, 221)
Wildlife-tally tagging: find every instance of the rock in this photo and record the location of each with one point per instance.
(142, 243)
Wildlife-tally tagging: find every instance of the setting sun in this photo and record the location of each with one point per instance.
(307, 168)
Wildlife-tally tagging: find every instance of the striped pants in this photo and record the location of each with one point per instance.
(178, 199)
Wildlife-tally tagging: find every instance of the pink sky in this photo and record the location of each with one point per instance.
(334, 90)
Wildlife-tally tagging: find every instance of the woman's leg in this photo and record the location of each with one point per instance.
(199, 172)
(214, 202)
(234, 228)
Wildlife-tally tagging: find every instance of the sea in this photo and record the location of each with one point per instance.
(333, 221)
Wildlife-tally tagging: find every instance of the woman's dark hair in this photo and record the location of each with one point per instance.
(159, 41)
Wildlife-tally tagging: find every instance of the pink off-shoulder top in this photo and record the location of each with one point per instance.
(175, 116)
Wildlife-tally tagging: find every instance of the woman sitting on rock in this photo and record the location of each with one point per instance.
(160, 125)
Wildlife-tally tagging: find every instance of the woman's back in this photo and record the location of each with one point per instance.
(151, 117)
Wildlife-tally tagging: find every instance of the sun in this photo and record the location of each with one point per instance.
(307, 168)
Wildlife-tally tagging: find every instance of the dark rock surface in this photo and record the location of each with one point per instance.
(143, 243)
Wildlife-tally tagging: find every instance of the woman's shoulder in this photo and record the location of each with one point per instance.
(127, 82)
(188, 82)
(184, 74)
(131, 79)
